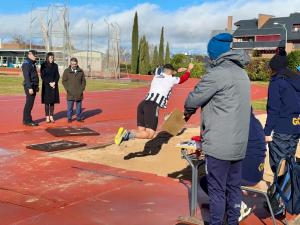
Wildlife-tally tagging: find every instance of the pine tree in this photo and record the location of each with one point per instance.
(167, 58)
(155, 58)
(161, 48)
(135, 45)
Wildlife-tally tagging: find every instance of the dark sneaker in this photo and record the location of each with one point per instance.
(245, 211)
(80, 120)
(69, 121)
(31, 124)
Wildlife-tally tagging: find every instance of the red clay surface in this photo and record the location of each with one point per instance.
(36, 188)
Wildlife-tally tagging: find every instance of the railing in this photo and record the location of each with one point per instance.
(257, 44)
(296, 46)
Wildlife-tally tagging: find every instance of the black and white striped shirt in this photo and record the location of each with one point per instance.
(161, 89)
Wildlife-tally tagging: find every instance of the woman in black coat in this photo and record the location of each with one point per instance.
(50, 93)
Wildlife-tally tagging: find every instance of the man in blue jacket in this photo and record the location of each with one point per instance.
(253, 163)
(282, 127)
(31, 86)
(223, 95)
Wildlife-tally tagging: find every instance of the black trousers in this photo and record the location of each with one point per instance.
(49, 109)
(27, 118)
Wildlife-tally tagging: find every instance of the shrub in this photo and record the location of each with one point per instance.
(198, 70)
(124, 68)
(294, 60)
(259, 70)
(181, 60)
(256, 53)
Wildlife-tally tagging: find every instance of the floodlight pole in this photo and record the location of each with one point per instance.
(284, 27)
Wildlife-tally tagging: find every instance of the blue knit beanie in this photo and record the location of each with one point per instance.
(218, 45)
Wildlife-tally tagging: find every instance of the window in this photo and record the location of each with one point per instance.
(296, 28)
(268, 38)
(244, 39)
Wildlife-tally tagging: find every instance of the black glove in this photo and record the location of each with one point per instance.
(188, 112)
(187, 116)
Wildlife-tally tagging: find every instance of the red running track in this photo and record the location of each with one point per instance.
(36, 188)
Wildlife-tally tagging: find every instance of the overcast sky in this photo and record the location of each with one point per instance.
(187, 25)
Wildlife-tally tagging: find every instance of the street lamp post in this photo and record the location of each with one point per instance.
(284, 26)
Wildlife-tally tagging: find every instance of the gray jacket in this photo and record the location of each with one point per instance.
(224, 96)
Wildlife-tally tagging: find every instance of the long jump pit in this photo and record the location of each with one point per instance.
(158, 156)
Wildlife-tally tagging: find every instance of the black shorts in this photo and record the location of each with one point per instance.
(147, 114)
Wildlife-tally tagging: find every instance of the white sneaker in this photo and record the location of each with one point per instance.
(245, 211)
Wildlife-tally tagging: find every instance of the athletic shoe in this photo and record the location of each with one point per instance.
(31, 124)
(245, 211)
(119, 138)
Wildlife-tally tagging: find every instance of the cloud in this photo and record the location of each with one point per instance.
(185, 28)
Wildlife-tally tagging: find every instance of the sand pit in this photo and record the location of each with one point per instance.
(168, 160)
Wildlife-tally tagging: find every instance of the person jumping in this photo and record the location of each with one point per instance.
(157, 97)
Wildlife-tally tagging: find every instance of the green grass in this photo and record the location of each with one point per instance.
(262, 103)
(259, 104)
(262, 83)
(12, 85)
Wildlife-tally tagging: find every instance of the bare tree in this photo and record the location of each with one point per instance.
(19, 39)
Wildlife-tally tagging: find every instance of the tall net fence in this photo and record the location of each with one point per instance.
(49, 30)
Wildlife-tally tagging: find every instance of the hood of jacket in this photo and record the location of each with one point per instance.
(239, 57)
(71, 71)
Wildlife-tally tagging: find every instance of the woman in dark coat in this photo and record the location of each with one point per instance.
(50, 93)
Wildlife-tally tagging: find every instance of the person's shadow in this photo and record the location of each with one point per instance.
(85, 114)
(90, 113)
(152, 147)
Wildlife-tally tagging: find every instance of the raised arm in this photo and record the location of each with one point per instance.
(187, 74)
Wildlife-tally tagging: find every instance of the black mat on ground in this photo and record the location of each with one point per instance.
(55, 146)
(71, 131)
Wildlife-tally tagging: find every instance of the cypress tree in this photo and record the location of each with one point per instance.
(135, 45)
(142, 55)
(155, 58)
(147, 59)
(161, 48)
(167, 58)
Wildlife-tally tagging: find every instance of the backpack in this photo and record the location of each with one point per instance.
(284, 193)
(293, 203)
